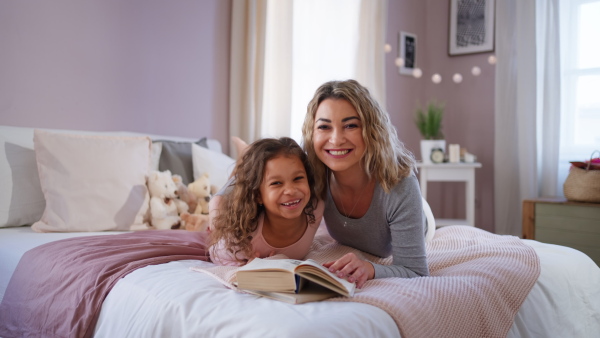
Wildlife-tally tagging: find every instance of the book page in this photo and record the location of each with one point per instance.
(280, 275)
(271, 264)
(269, 275)
(316, 272)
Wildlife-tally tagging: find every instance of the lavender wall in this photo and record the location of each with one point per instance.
(162, 67)
(469, 113)
(152, 66)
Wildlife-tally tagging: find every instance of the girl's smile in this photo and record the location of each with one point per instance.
(292, 204)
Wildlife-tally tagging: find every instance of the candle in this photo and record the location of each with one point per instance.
(454, 153)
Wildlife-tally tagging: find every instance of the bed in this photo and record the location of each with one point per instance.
(172, 300)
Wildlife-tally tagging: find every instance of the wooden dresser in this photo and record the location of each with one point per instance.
(558, 221)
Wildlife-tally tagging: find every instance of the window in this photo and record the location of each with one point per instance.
(580, 92)
(325, 39)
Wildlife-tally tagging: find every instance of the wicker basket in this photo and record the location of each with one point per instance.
(583, 184)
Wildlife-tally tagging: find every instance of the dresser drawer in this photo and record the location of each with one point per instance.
(557, 221)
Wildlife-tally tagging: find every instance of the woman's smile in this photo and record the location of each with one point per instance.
(339, 152)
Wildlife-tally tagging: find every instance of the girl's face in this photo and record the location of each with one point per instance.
(337, 136)
(284, 188)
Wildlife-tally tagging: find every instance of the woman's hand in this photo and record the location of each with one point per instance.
(352, 268)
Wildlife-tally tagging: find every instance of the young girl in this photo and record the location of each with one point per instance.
(268, 207)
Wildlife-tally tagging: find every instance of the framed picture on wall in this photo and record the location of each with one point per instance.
(407, 45)
(471, 26)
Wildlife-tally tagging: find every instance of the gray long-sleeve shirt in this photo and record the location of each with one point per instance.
(393, 225)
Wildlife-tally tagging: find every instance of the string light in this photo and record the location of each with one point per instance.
(417, 73)
(437, 78)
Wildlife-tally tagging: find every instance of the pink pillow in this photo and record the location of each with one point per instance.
(92, 183)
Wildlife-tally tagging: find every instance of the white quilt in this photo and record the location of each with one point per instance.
(199, 306)
(565, 300)
(170, 300)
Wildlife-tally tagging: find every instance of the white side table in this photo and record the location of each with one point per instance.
(451, 172)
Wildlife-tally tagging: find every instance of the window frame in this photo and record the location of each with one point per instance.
(571, 74)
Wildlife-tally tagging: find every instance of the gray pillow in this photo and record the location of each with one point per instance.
(177, 157)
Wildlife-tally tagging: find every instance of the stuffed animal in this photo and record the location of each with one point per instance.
(194, 222)
(184, 194)
(165, 207)
(202, 189)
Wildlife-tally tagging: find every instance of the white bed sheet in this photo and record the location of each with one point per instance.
(14, 242)
(200, 306)
(564, 302)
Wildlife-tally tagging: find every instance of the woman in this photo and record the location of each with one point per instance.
(366, 177)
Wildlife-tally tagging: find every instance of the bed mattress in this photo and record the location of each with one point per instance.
(172, 300)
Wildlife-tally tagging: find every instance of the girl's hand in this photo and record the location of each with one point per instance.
(352, 268)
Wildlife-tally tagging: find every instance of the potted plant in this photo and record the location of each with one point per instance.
(429, 123)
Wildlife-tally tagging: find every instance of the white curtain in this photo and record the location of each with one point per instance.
(370, 67)
(247, 66)
(549, 103)
(262, 46)
(526, 107)
(277, 95)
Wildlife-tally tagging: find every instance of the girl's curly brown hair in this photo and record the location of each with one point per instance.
(239, 211)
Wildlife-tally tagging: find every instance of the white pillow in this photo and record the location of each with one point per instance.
(92, 183)
(21, 198)
(218, 165)
(155, 158)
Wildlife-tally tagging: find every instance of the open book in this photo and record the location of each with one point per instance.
(291, 280)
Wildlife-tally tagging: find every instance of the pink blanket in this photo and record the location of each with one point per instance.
(58, 288)
(478, 282)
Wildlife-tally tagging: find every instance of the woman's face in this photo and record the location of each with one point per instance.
(337, 136)
(284, 189)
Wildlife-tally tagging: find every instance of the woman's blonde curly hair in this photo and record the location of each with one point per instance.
(239, 211)
(385, 156)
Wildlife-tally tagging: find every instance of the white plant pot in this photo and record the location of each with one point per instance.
(427, 145)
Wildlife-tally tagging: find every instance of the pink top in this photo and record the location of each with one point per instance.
(220, 255)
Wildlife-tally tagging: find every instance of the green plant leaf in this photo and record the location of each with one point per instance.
(429, 123)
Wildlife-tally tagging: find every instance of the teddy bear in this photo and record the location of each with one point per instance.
(184, 194)
(194, 222)
(202, 189)
(165, 207)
